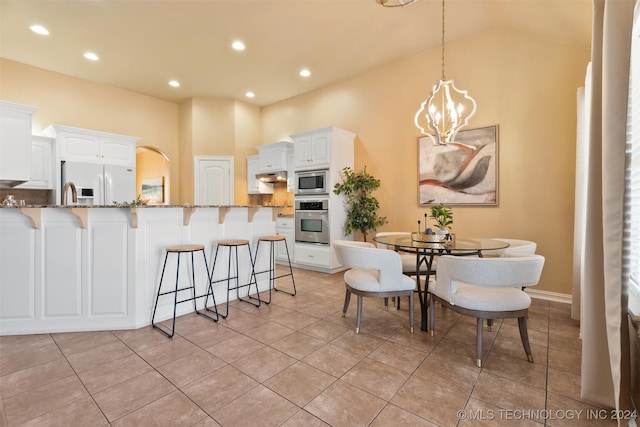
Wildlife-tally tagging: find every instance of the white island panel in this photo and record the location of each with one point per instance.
(62, 260)
(17, 269)
(109, 263)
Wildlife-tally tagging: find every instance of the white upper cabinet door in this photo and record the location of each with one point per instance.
(273, 157)
(15, 142)
(41, 164)
(82, 148)
(312, 151)
(117, 151)
(272, 160)
(89, 146)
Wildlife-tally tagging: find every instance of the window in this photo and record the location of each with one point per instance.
(632, 182)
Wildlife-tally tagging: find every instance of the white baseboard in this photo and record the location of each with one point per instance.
(549, 296)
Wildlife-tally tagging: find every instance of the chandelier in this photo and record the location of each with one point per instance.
(447, 110)
(394, 3)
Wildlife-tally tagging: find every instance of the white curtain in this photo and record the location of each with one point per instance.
(602, 296)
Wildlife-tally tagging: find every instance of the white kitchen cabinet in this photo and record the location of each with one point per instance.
(15, 143)
(273, 157)
(312, 151)
(291, 172)
(61, 277)
(89, 146)
(284, 227)
(41, 164)
(318, 256)
(254, 185)
(326, 148)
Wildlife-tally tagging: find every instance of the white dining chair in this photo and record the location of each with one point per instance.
(516, 246)
(408, 259)
(487, 288)
(372, 272)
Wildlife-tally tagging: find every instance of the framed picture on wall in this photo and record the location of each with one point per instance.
(464, 172)
(153, 190)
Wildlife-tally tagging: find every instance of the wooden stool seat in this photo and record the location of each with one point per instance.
(271, 238)
(233, 242)
(185, 248)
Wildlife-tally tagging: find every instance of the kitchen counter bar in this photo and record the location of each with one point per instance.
(33, 212)
(66, 269)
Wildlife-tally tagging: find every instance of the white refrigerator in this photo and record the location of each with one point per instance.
(98, 184)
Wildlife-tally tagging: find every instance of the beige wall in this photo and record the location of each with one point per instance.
(80, 103)
(217, 127)
(524, 84)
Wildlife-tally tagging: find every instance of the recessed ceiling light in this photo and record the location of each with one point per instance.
(305, 72)
(39, 29)
(237, 45)
(174, 83)
(91, 56)
(250, 95)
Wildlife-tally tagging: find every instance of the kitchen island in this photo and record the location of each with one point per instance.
(72, 268)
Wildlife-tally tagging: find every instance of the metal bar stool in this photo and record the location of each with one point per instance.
(272, 240)
(233, 244)
(178, 250)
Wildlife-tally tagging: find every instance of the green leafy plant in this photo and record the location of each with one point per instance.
(443, 216)
(362, 207)
(137, 202)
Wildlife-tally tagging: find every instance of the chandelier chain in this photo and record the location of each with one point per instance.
(443, 77)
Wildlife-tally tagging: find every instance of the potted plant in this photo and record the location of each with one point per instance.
(443, 217)
(362, 207)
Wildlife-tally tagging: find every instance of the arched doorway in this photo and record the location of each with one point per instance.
(152, 175)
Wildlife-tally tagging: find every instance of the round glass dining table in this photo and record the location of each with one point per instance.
(426, 252)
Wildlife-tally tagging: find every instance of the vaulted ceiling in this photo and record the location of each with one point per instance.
(142, 44)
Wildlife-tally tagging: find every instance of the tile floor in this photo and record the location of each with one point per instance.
(297, 362)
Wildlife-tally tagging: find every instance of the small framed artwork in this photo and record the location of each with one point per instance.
(464, 172)
(153, 190)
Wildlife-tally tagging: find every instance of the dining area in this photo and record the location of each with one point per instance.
(484, 278)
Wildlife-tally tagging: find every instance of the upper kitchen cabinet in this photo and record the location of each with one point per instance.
(41, 164)
(322, 148)
(89, 146)
(15, 143)
(254, 185)
(273, 157)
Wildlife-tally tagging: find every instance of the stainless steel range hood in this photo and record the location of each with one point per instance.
(279, 176)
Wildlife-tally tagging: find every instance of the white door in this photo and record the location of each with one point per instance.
(213, 181)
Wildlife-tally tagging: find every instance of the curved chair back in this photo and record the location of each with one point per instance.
(506, 272)
(365, 256)
(516, 246)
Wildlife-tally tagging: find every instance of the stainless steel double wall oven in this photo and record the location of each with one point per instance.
(312, 207)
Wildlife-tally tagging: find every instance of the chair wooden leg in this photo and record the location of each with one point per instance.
(386, 304)
(359, 318)
(479, 344)
(489, 324)
(410, 311)
(524, 335)
(347, 298)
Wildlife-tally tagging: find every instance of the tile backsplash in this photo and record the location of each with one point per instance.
(30, 197)
(280, 197)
